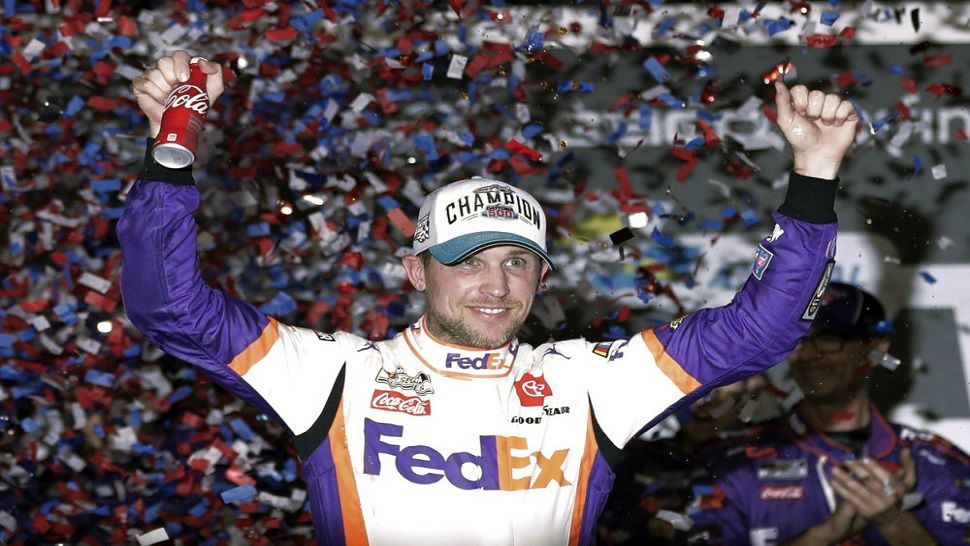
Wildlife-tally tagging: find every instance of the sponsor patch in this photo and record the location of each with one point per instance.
(952, 512)
(425, 465)
(500, 212)
(815, 303)
(781, 492)
(532, 390)
(676, 323)
(775, 234)
(488, 361)
(783, 469)
(762, 258)
(423, 230)
(324, 337)
(420, 383)
(395, 401)
(602, 348)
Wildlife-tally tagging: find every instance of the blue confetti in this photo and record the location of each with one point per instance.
(281, 304)
(930, 279)
(242, 493)
(103, 379)
(661, 239)
(241, 428)
(656, 69)
(829, 17)
(427, 71)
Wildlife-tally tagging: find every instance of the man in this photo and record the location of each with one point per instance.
(453, 432)
(834, 469)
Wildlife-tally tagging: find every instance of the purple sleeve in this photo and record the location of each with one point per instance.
(164, 294)
(772, 311)
(943, 478)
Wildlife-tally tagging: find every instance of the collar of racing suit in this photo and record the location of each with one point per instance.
(456, 360)
(882, 438)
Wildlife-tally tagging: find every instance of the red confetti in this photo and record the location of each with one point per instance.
(22, 63)
(401, 222)
(960, 135)
(938, 60)
(940, 89)
(910, 85)
(821, 40)
(519, 148)
(903, 110)
(846, 79)
(690, 161)
(103, 104)
(126, 26)
(753, 452)
(623, 179)
(103, 7)
(710, 137)
(848, 33)
(282, 34)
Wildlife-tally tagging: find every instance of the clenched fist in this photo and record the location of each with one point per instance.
(819, 127)
(152, 88)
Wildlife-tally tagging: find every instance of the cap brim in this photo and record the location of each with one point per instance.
(457, 249)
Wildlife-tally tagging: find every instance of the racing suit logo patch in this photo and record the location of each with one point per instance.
(395, 401)
(532, 390)
(420, 383)
(499, 460)
(784, 492)
(762, 258)
(783, 469)
(489, 361)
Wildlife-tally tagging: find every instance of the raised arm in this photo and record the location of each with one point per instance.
(267, 364)
(715, 346)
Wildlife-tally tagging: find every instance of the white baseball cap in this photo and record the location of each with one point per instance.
(470, 215)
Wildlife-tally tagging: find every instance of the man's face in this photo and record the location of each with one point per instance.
(830, 368)
(482, 301)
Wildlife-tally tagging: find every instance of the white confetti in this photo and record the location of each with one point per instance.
(153, 537)
(457, 66)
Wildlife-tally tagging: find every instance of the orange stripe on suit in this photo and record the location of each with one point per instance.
(670, 367)
(257, 349)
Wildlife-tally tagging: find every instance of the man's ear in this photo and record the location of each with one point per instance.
(541, 286)
(415, 270)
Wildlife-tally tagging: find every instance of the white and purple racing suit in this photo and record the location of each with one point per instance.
(415, 441)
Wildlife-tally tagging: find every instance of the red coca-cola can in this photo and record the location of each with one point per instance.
(182, 121)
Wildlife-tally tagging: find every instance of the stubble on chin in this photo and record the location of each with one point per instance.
(457, 331)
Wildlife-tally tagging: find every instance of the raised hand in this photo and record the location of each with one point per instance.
(153, 86)
(819, 127)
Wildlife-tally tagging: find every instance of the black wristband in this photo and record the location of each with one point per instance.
(151, 170)
(810, 199)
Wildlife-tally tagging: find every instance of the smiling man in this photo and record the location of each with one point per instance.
(453, 432)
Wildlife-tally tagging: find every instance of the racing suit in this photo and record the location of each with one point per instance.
(777, 486)
(414, 440)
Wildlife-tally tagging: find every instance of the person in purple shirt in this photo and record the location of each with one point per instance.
(834, 470)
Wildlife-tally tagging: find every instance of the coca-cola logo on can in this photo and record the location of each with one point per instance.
(395, 401)
(190, 97)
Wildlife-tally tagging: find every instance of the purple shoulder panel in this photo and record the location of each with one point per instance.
(164, 294)
(766, 318)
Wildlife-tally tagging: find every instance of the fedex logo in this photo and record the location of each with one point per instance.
(489, 361)
(496, 460)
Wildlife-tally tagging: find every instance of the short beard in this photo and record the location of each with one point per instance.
(454, 330)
